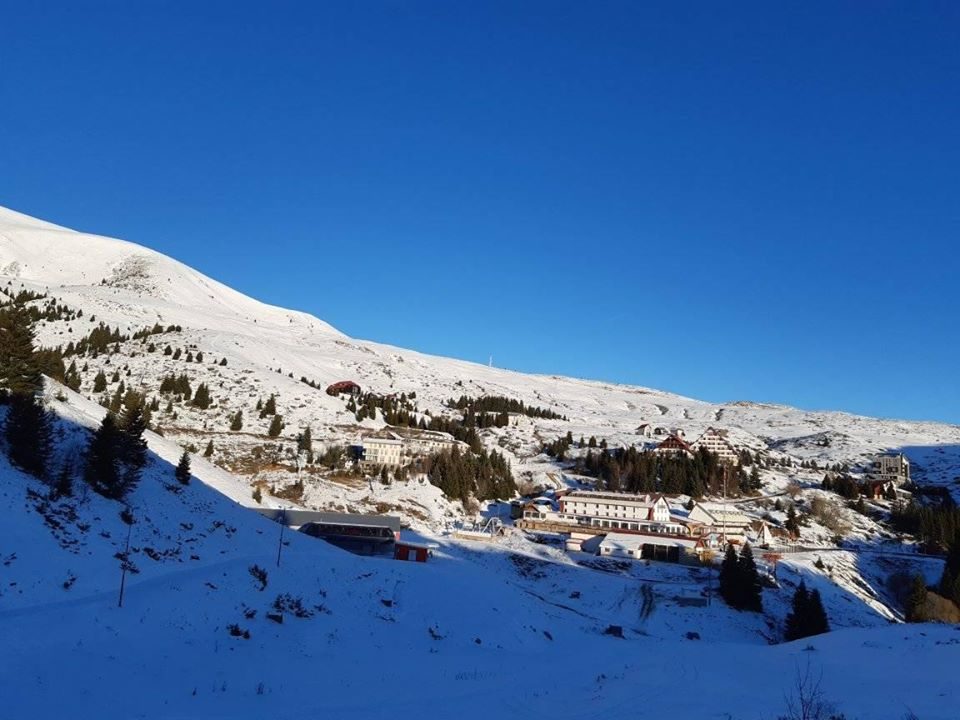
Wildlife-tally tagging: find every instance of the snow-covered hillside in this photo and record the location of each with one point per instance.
(268, 350)
(480, 631)
(509, 629)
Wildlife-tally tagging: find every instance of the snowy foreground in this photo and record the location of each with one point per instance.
(478, 632)
(502, 630)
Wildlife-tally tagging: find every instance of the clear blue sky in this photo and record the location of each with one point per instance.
(726, 200)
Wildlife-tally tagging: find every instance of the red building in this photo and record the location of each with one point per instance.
(411, 551)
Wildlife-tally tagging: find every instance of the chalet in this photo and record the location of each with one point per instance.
(651, 547)
(892, 467)
(726, 521)
(674, 445)
(344, 386)
(762, 534)
(646, 430)
(717, 442)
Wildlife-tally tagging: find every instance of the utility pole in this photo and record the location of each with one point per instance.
(123, 564)
(283, 524)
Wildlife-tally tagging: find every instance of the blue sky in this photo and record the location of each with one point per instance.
(729, 201)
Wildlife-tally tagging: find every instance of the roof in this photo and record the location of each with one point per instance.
(645, 499)
(634, 542)
(380, 440)
(335, 518)
(293, 517)
(672, 442)
(724, 514)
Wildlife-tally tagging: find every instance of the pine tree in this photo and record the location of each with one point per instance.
(305, 444)
(201, 398)
(182, 472)
(28, 434)
(793, 524)
(797, 618)
(133, 448)
(19, 369)
(916, 609)
(102, 464)
(28, 427)
(208, 452)
(950, 580)
(729, 579)
(276, 426)
(64, 484)
(749, 580)
(236, 423)
(817, 618)
(270, 407)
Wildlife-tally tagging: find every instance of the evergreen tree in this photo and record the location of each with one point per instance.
(19, 369)
(28, 427)
(793, 523)
(201, 398)
(208, 452)
(950, 581)
(305, 444)
(28, 434)
(818, 622)
(102, 464)
(807, 616)
(133, 448)
(100, 382)
(276, 426)
(64, 484)
(236, 423)
(916, 609)
(797, 618)
(270, 407)
(749, 580)
(729, 579)
(182, 472)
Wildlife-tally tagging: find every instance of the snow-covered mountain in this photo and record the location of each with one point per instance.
(510, 629)
(270, 349)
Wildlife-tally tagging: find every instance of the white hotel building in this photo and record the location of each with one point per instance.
(640, 513)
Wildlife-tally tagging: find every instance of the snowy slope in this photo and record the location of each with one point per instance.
(480, 631)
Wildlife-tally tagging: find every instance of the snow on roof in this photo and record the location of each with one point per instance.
(633, 542)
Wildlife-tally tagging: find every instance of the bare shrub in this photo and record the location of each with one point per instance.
(806, 701)
(829, 515)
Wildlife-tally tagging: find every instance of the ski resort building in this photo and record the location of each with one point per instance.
(724, 521)
(651, 547)
(650, 513)
(674, 445)
(716, 441)
(344, 386)
(391, 448)
(892, 467)
(384, 449)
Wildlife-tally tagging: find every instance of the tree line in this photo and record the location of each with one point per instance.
(502, 405)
